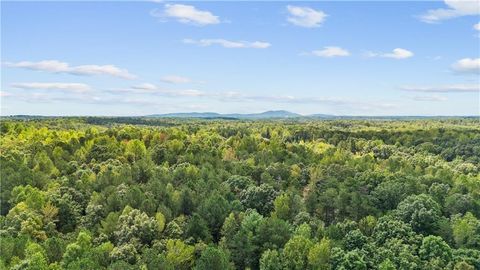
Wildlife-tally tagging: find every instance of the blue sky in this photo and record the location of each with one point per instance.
(137, 58)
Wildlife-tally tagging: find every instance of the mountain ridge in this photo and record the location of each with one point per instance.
(261, 115)
(284, 114)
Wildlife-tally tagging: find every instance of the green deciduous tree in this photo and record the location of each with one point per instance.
(296, 251)
(466, 231)
(213, 259)
(135, 225)
(319, 255)
(435, 251)
(271, 260)
(259, 198)
(214, 210)
(421, 212)
(179, 254)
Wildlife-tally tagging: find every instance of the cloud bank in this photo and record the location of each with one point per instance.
(455, 88)
(73, 87)
(55, 66)
(434, 98)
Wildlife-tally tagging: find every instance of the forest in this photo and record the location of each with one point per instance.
(126, 193)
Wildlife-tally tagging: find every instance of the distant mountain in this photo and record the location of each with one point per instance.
(188, 115)
(263, 115)
(319, 115)
(281, 114)
(268, 114)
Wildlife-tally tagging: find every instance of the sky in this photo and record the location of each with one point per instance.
(138, 58)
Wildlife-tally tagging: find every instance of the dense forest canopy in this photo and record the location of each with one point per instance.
(107, 193)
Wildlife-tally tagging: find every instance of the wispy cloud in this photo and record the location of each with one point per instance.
(228, 44)
(82, 99)
(148, 88)
(455, 88)
(290, 99)
(73, 87)
(55, 66)
(397, 53)
(145, 86)
(333, 102)
(186, 14)
(147, 94)
(467, 65)
(234, 96)
(476, 26)
(305, 16)
(434, 98)
(331, 51)
(175, 79)
(456, 8)
(5, 94)
(188, 93)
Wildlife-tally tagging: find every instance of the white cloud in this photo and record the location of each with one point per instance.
(476, 26)
(429, 98)
(189, 93)
(55, 66)
(467, 65)
(5, 94)
(175, 79)
(47, 65)
(455, 88)
(102, 70)
(228, 43)
(331, 51)
(397, 53)
(145, 86)
(186, 14)
(73, 87)
(456, 8)
(305, 16)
